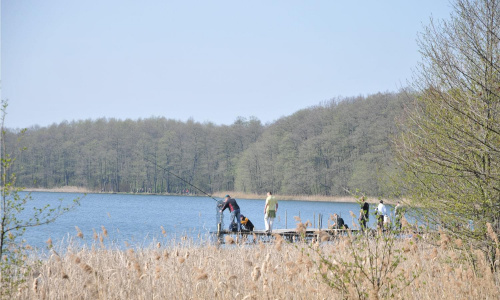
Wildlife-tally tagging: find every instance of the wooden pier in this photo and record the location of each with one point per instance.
(293, 235)
(288, 234)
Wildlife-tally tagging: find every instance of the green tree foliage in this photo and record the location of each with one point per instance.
(450, 142)
(131, 156)
(325, 150)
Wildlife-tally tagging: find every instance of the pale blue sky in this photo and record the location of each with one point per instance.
(206, 60)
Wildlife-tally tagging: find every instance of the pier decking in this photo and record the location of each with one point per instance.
(288, 234)
(293, 235)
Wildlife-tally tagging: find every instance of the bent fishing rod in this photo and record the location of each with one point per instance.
(182, 179)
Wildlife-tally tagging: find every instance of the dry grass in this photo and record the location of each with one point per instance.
(62, 189)
(276, 270)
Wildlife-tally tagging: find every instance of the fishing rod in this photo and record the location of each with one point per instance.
(219, 213)
(182, 179)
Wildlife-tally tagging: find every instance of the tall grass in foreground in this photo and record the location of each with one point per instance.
(239, 270)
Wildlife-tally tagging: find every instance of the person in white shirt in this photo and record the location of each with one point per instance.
(381, 212)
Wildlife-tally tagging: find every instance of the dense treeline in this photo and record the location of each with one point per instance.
(329, 149)
(326, 150)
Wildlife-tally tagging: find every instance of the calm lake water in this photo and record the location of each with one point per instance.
(137, 219)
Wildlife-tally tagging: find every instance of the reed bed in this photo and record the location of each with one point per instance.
(239, 269)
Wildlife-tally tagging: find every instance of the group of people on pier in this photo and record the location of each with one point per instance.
(381, 213)
(241, 223)
(383, 220)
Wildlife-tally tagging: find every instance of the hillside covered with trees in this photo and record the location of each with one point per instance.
(329, 149)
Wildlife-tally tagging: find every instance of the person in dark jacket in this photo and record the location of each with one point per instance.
(234, 209)
(338, 222)
(364, 213)
(246, 224)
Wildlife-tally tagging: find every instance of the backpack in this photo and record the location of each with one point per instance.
(233, 227)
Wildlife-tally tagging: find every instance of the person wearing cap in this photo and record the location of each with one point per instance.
(234, 209)
(270, 211)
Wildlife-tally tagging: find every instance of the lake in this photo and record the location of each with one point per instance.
(138, 219)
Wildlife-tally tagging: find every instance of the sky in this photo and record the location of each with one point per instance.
(209, 61)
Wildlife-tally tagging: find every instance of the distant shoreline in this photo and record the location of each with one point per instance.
(237, 195)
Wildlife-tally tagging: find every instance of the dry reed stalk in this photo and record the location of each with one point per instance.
(35, 285)
(137, 267)
(323, 236)
(285, 274)
(229, 240)
(492, 234)
(256, 273)
(75, 259)
(157, 272)
(278, 240)
(104, 231)
(497, 255)
(301, 228)
(79, 232)
(202, 276)
(261, 246)
(86, 268)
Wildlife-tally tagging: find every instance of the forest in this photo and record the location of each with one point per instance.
(330, 149)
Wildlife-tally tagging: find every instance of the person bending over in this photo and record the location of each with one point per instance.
(234, 209)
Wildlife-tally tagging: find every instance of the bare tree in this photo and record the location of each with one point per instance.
(450, 141)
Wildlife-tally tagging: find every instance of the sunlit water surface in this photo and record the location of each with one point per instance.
(137, 220)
